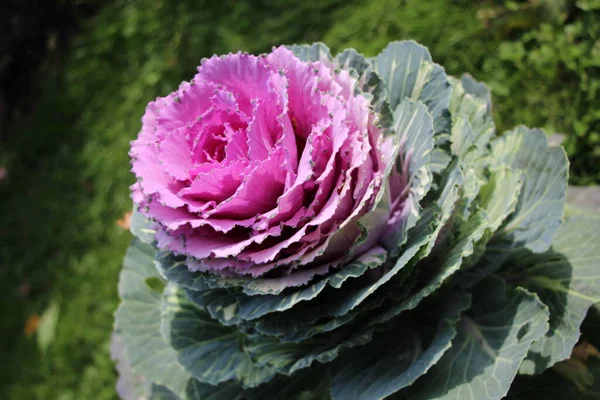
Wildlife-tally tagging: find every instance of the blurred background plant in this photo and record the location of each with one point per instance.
(76, 75)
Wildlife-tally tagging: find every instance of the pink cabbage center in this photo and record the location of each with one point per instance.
(258, 164)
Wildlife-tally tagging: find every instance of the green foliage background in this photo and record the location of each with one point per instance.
(68, 169)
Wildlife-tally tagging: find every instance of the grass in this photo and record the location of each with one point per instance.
(60, 240)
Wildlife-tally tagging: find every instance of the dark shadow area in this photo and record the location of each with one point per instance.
(33, 36)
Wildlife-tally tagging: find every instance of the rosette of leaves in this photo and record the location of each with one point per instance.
(486, 283)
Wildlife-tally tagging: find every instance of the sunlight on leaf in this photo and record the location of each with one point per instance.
(46, 331)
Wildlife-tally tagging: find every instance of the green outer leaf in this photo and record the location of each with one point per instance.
(394, 359)
(476, 113)
(462, 136)
(351, 59)
(450, 261)
(297, 331)
(440, 159)
(477, 89)
(312, 52)
(129, 385)
(408, 72)
(307, 384)
(174, 269)
(369, 85)
(541, 201)
(158, 392)
(137, 322)
(468, 193)
(231, 307)
(567, 280)
(414, 130)
(572, 379)
(421, 240)
(498, 199)
(289, 357)
(422, 234)
(490, 345)
(210, 352)
(499, 196)
(472, 129)
(142, 227)
(225, 391)
(308, 319)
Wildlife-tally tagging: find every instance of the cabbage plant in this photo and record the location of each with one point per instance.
(310, 226)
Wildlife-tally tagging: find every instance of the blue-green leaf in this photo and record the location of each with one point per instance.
(408, 72)
(301, 321)
(351, 59)
(232, 307)
(138, 322)
(174, 268)
(307, 384)
(130, 386)
(499, 196)
(209, 351)
(421, 240)
(567, 280)
(475, 112)
(308, 319)
(142, 227)
(399, 355)
(448, 261)
(158, 392)
(489, 347)
(312, 52)
(542, 198)
(225, 391)
(414, 130)
(289, 357)
(477, 89)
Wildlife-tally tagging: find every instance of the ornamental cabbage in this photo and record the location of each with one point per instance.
(262, 165)
(319, 227)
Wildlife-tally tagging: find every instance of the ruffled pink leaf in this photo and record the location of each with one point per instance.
(218, 184)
